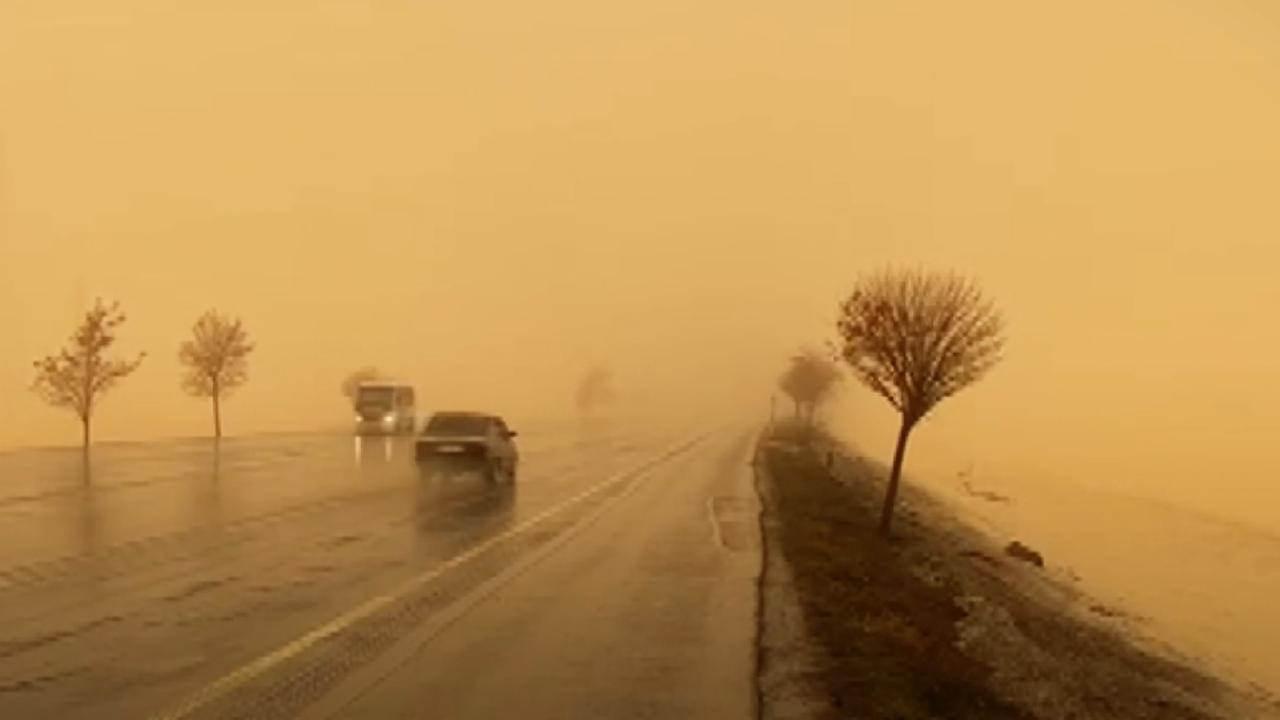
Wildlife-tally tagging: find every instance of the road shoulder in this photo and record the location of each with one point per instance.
(789, 657)
(939, 622)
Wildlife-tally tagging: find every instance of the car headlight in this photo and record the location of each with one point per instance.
(389, 417)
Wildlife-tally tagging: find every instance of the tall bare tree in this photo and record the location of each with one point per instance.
(808, 381)
(351, 384)
(216, 359)
(78, 376)
(917, 338)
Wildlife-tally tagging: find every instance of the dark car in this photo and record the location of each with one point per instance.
(452, 441)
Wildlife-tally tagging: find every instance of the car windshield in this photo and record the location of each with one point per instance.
(379, 396)
(457, 424)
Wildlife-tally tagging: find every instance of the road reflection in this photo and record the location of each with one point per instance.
(367, 448)
(461, 500)
(208, 503)
(89, 525)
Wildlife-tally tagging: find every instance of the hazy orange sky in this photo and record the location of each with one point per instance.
(489, 197)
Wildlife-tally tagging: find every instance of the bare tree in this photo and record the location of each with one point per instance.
(808, 381)
(80, 373)
(351, 384)
(916, 338)
(216, 358)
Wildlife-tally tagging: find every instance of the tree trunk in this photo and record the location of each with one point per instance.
(217, 416)
(84, 426)
(891, 493)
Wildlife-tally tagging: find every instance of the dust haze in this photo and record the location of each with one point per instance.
(489, 199)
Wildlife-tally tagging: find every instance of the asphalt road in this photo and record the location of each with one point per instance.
(318, 576)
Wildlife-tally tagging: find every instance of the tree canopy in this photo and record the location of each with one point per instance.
(917, 338)
(79, 374)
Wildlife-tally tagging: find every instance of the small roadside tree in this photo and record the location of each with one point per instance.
(80, 374)
(216, 360)
(809, 380)
(917, 338)
(351, 384)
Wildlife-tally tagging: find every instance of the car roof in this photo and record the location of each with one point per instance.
(465, 414)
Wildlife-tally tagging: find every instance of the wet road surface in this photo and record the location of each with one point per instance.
(319, 576)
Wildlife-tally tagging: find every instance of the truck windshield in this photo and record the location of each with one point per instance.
(376, 396)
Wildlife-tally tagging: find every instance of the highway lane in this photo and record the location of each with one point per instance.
(645, 609)
(175, 565)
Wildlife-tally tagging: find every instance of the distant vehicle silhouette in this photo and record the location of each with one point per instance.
(384, 408)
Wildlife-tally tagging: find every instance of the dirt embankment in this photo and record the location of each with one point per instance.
(938, 622)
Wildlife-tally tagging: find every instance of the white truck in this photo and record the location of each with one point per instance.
(385, 408)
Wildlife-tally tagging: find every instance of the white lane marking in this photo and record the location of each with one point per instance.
(252, 670)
